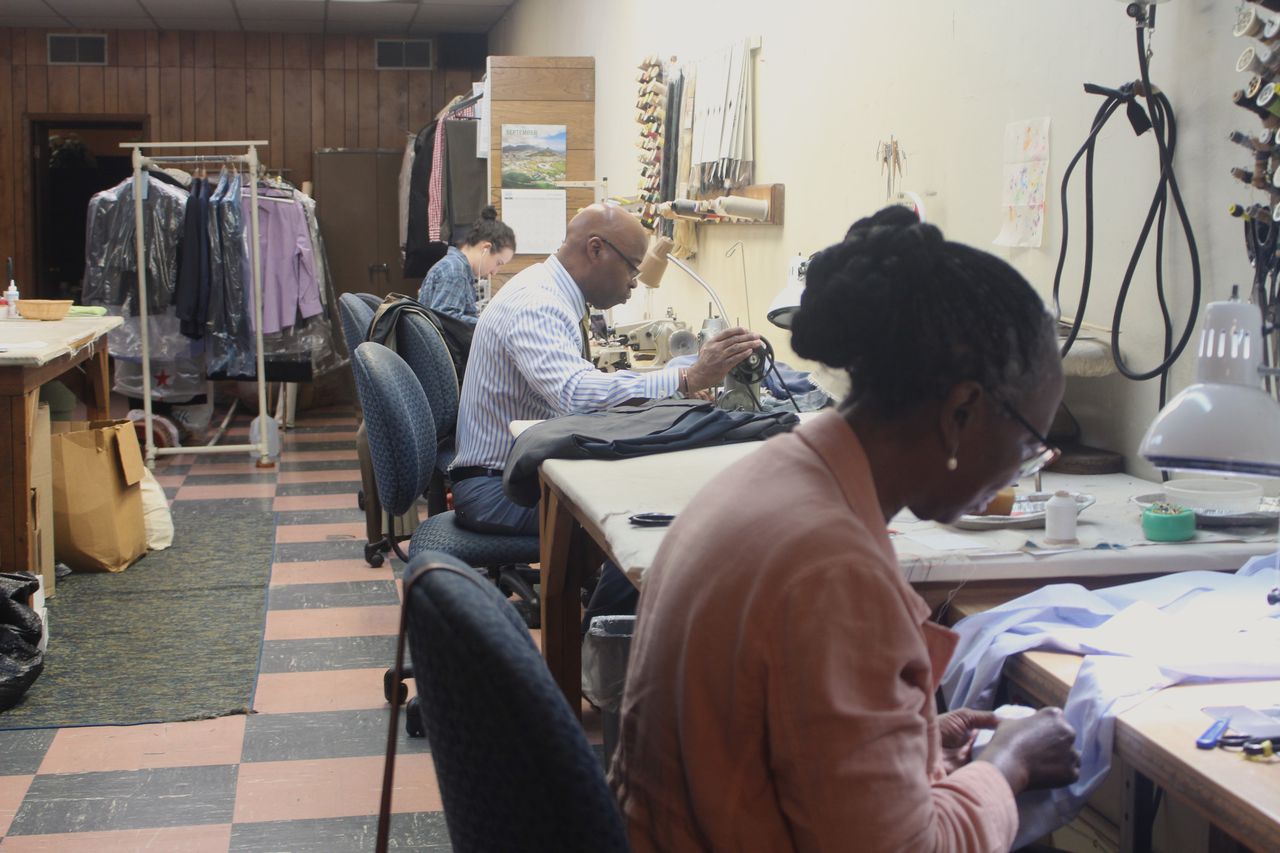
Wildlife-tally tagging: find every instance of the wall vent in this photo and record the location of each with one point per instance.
(405, 53)
(77, 49)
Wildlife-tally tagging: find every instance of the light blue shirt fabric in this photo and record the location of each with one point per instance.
(526, 364)
(450, 287)
(1136, 639)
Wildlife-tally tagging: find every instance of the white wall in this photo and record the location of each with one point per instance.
(943, 76)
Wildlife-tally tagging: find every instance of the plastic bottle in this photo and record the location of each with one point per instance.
(1060, 519)
(11, 295)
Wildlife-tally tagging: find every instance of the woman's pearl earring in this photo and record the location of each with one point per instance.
(952, 464)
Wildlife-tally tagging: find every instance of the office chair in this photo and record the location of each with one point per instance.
(514, 767)
(356, 315)
(401, 432)
(370, 299)
(420, 344)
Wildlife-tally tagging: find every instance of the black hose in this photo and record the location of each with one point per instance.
(1160, 118)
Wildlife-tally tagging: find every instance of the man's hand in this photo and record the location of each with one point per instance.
(720, 355)
(958, 729)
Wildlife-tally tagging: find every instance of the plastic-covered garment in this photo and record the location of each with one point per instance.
(111, 278)
(21, 660)
(232, 350)
(111, 270)
(172, 380)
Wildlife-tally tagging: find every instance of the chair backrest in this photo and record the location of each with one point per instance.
(514, 767)
(356, 316)
(419, 343)
(370, 299)
(398, 425)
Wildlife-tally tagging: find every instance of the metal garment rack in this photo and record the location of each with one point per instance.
(140, 163)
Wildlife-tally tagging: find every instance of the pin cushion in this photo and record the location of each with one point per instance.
(1166, 522)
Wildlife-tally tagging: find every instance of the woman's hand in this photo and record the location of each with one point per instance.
(958, 729)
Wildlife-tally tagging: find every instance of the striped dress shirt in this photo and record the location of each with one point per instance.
(526, 364)
(450, 287)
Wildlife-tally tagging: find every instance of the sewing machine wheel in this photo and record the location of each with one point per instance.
(682, 342)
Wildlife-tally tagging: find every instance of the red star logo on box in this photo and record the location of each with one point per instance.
(162, 379)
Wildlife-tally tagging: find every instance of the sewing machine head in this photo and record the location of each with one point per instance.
(655, 342)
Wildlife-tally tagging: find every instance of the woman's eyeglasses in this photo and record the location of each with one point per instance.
(1042, 455)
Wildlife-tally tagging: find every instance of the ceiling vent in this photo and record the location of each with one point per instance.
(77, 49)
(405, 53)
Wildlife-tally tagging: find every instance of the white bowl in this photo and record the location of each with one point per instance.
(1214, 495)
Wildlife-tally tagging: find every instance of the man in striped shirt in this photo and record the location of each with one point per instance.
(528, 360)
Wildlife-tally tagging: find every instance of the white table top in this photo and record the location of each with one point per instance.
(608, 492)
(31, 343)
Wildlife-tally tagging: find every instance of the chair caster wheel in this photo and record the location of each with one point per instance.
(413, 720)
(373, 555)
(360, 499)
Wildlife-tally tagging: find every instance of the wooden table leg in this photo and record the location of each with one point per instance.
(17, 540)
(98, 400)
(561, 646)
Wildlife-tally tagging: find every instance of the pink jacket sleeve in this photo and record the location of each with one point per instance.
(854, 740)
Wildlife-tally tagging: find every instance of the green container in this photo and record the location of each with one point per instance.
(1178, 526)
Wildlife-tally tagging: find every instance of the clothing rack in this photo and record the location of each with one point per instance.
(141, 163)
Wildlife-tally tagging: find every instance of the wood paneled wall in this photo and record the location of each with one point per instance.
(299, 92)
(544, 90)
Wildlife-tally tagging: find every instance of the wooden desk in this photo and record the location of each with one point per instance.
(73, 350)
(586, 505)
(1155, 745)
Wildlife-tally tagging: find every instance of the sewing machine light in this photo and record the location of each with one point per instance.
(1224, 422)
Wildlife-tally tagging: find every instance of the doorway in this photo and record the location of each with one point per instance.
(75, 157)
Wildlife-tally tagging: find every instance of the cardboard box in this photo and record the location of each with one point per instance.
(97, 497)
(42, 497)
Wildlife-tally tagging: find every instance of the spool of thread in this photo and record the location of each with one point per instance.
(1060, 519)
(1254, 86)
(1242, 175)
(1248, 22)
(1268, 101)
(1240, 99)
(742, 207)
(1255, 60)
(1237, 210)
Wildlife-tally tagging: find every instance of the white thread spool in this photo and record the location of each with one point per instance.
(742, 207)
(1060, 519)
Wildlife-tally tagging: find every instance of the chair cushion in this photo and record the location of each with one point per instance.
(398, 425)
(442, 533)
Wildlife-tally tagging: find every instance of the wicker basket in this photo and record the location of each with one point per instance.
(44, 309)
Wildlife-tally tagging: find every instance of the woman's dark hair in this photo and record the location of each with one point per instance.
(910, 314)
(491, 229)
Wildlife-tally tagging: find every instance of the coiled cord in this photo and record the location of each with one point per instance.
(1159, 117)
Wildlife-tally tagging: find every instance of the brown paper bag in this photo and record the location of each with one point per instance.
(97, 497)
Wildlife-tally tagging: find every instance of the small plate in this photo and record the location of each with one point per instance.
(1028, 512)
(1268, 514)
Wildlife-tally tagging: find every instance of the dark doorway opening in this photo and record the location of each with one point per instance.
(75, 157)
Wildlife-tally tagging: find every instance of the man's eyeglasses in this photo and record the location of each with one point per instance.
(635, 270)
(1042, 455)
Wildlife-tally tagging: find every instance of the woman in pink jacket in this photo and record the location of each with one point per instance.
(780, 694)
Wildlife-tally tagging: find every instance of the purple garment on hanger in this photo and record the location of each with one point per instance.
(289, 286)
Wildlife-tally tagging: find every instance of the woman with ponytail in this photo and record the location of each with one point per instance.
(780, 691)
(450, 285)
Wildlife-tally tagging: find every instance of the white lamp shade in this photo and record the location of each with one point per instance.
(1225, 422)
(1226, 429)
(785, 305)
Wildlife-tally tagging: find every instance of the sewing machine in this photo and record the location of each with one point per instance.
(655, 342)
